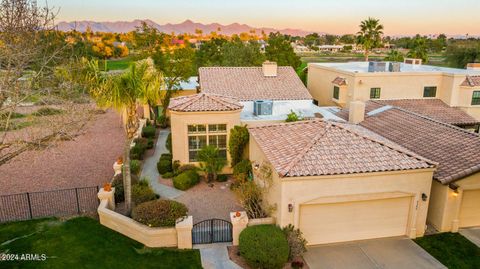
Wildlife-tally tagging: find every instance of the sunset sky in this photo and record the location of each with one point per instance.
(332, 16)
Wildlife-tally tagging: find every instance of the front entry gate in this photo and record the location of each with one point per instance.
(212, 231)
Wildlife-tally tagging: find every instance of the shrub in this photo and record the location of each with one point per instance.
(296, 241)
(211, 162)
(164, 166)
(117, 183)
(187, 167)
(236, 145)
(175, 166)
(264, 246)
(137, 151)
(47, 111)
(166, 156)
(168, 142)
(135, 166)
(162, 121)
(142, 192)
(250, 196)
(222, 178)
(292, 116)
(159, 213)
(150, 143)
(168, 175)
(148, 131)
(242, 170)
(186, 180)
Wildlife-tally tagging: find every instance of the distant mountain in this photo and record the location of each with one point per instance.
(187, 26)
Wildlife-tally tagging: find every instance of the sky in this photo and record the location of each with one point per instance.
(399, 17)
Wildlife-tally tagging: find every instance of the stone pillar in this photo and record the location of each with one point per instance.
(184, 232)
(109, 196)
(239, 221)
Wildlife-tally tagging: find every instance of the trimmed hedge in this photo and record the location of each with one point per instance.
(168, 175)
(142, 192)
(186, 180)
(137, 151)
(150, 143)
(187, 167)
(135, 166)
(168, 142)
(264, 246)
(117, 183)
(148, 131)
(159, 213)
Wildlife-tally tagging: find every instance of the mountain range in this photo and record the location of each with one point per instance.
(187, 26)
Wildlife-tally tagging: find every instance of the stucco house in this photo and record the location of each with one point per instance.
(339, 182)
(340, 83)
(455, 194)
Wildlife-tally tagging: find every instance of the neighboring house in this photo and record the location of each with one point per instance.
(330, 48)
(339, 182)
(455, 195)
(340, 83)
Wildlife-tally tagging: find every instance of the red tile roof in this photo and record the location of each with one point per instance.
(339, 81)
(249, 83)
(313, 148)
(204, 102)
(471, 81)
(454, 149)
(435, 109)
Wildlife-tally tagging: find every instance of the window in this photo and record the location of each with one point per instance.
(336, 92)
(315, 102)
(476, 98)
(375, 93)
(201, 135)
(430, 91)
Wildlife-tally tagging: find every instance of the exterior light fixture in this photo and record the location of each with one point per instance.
(424, 197)
(455, 193)
(454, 187)
(256, 166)
(290, 208)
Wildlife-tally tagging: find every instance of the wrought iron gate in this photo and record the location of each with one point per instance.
(212, 231)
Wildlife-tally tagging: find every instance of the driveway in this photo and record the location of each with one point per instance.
(472, 234)
(397, 252)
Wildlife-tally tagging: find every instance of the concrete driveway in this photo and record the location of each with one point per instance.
(398, 252)
(472, 234)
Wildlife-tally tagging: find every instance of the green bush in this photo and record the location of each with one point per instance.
(47, 111)
(150, 143)
(166, 156)
(168, 142)
(163, 121)
(239, 137)
(159, 213)
(117, 183)
(242, 170)
(176, 166)
(168, 175)
(137, 151)
(186, 180)
(148, 131)
(164, 166)
(292, 116)
(296, 242)
(135, 166)
(264, 246)
(187, 167)
(142, 192)
(222, 178)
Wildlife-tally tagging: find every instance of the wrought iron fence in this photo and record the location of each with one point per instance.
(212, 231)
(64, 202)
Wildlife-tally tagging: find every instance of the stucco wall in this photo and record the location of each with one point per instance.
(320, 85)
(179, 129)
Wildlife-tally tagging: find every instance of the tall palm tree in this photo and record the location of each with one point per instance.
(141, 83)
(370, 35)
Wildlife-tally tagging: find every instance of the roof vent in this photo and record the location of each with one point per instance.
(269, 69)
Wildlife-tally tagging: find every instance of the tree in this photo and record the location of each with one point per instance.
(210, 53)
(394, 56)
(142, 82)
(347, 39)
(239, 53)
(370, 35)
(279, 50)
(211, 162)
(460, 53)
(419, 50)
(239, 137)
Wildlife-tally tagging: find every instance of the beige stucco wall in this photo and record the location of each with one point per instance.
(446, 204)
(320, 85)
(179, 129)
(321, 189)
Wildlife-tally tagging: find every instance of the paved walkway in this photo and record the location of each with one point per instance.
(472, 234)
(215, 256)
(149, 169)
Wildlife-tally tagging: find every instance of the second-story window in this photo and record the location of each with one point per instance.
(476, 98)
(336, 92)
(430, 91)
(375, 93)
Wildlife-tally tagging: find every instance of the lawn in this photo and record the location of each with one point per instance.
(117, 64)
(451, 249)
(84, 243)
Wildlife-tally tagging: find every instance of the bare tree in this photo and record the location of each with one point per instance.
(36, 67)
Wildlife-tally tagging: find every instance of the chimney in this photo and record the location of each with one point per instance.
(473, 66)
(269, 69)
(356, 112)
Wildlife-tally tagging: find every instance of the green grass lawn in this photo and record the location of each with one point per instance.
(117, 64)
(84, 243)
(451, 249)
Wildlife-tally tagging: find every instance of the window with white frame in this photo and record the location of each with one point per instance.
(201, 135)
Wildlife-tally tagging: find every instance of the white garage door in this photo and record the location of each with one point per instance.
(470, 209)
(339, 222)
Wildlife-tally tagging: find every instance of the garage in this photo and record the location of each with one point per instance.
(470, 208)
(323, 223)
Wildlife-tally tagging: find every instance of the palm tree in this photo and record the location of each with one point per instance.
(141, 83)
(211, 162)
(394, 56)
(419, 49)
(370, 35)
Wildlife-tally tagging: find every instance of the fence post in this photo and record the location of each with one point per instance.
(184, 232)
(29, 205)
(239, 223)
(78, 203)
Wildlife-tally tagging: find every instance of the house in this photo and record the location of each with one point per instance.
(455, 194)
(330, 48)
(337, 84)
(339, 182)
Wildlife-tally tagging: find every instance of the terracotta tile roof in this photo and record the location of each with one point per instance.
(471, 81)
(433, 108)
(249, 83)
(316, 147)
(204, 102)
(339, 81)
(454, 149)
